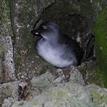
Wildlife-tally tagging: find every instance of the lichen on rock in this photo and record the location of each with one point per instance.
(68, 94)
(8, 67)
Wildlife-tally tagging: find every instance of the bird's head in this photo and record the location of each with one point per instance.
(47, 30)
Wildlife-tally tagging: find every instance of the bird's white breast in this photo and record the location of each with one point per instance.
(52, 55)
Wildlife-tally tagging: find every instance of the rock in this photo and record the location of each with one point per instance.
(98, 94)
(40, 84)
(1, 62)
(68, 95)
(8, 102)
(8, 90)
(76, 76)
(8, 72)
(47, 80)
(45, 92)
(43, 82)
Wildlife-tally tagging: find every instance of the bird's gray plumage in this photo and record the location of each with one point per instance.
(55, 47)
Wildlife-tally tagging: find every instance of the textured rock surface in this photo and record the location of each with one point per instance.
(47, 80)
(8, 67)
(98, 94)
(68, 94)
(8, 90)
(1, 62)
(46, 92)
(8, 102)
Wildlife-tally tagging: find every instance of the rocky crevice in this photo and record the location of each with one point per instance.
(20, 84)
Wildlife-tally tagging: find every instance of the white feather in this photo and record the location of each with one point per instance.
(52, 55)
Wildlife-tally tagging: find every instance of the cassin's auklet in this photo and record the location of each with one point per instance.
(55, 47)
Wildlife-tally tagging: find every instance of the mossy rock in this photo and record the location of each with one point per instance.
(100, 30)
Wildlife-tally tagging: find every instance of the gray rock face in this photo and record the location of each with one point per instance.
(45, 91)
(8, 102)
(7, 62)
(98, 94)
(8, 90)
(1, 62)
(68, 94)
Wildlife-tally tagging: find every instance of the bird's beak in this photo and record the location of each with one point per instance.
(35, 33)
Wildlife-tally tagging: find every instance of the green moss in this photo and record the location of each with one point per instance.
(60, 94)
(99, 98)
(101, 43)
(96, 97)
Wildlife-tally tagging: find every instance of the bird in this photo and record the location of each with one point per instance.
(55, 47)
